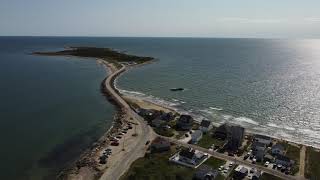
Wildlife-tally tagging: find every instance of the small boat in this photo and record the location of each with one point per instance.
(176, 89)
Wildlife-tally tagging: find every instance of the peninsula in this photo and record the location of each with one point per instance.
(148, 140)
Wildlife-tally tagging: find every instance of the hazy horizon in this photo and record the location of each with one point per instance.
(207, 19)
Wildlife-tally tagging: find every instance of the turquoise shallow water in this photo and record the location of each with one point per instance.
(51, 103)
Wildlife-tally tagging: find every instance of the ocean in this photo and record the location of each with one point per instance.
(269, 86)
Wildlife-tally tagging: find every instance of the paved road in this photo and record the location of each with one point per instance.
(236, 160)
(146, 133)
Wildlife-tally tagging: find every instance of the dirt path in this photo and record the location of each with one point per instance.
(302, 160)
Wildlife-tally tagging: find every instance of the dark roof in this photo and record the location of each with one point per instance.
(205, 123)
(278, 146)
(237, 131)
(161, 141)
(258, 136)
(205, 172)
(188, 153)
(258, 144)
(224, 128)
(185, 119)
(282, 158)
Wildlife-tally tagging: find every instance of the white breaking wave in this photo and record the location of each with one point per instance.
(214, 114)
(246, 120)
(215, 108)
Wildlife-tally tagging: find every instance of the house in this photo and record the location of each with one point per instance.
(263, 139)
(277, 149)
(235, 137)
(205, 125)
(221, 132)
(196, 136)
(240, 172)
(233, 133)
(185, 122)
(259, 155)
(256, 146)
(268, 157)
(256, 175)
(205, 172)
(148, 114)
(157, 123)
(167, 116)
(284, 160)
(189, 157)
(159, 145)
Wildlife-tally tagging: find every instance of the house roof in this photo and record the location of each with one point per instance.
(258, 144)
(278, 146)
(185, 119)
(205, 123)
(258, 136)
(282, 158)
(205, 171)
(161, 141)
(243, 170)
(188, 153)
(196, 134)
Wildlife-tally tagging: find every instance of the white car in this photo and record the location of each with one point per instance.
(210, 149)
(231, 164)
(267, 164)
(220, 169)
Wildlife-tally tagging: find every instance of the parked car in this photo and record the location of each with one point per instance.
(186, 135)
(115, 143)
(266, 164)
(147, 142)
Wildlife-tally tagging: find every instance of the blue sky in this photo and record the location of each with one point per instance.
(161, 18)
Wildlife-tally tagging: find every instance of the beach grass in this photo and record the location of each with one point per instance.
(157, 166)
(266, 176)
(207, 140)
(312, 169)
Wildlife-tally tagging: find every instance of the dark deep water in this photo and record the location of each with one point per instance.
(51, 103)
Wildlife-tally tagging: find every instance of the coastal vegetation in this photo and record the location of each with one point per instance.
(95, 52)
(157, 166)
(312, 164)
(207, 141)
(266, 176)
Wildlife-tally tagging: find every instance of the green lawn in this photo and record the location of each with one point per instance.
(207, 140)
(215, 163)
(266, 176)
(157, 167)
(312, 170)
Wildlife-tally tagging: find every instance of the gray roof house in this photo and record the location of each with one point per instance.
(205, 172)
(277, 149)
(196, 136)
